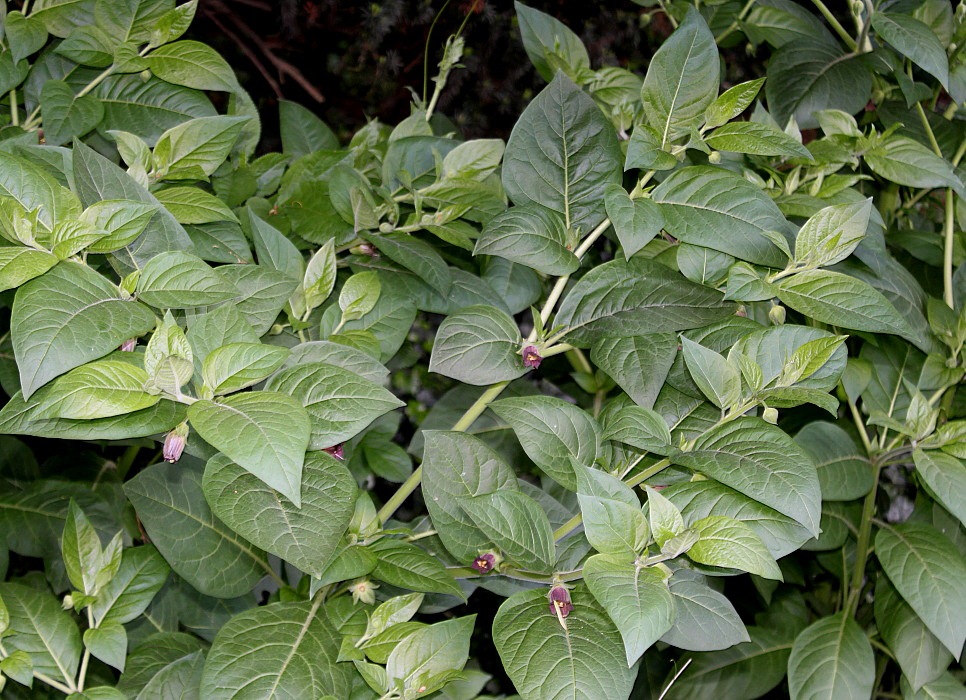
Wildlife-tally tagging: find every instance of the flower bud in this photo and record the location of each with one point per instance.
(531, 357)
(364, 249)
(68, 602)
(776, 314)
(486, 562)
(363, 591)
(385, 227)
(336, 451)
(128, 345)
(714, 157)
(770, 415)
(145, 75)
(560, 601)
(174, 443)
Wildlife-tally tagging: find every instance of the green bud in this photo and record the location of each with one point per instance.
(385, 227)
(776, 314)
(770, 415)
(145, 75)
(714, 157)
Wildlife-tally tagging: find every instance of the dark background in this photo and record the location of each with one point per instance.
(350, 61)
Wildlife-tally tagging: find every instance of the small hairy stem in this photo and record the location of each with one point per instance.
(655, 468)
(949, 234)
(836, 25)
(66, 690)
(14, 111)
(734, 25)
(862, 545)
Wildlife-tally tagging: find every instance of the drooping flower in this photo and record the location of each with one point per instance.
(486, 562)
(174, 443)
(531, 357)
(560, 601)
(129, 345)
(363, 591)
(336, 451)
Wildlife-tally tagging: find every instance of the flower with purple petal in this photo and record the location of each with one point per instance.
(560, 601)
(485, 562)
(336, 451)
(129, 345)
(531, 357)
(174, 443)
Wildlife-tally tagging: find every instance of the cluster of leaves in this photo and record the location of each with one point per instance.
(766, 340)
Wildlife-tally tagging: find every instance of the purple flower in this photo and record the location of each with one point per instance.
(129, 345)
(336, 451)
(485, 562)
(174, 443)
(531, 357)
(560, 600)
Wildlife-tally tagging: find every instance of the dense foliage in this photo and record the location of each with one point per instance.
(672, 390)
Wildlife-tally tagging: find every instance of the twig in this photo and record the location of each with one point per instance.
(276, 88)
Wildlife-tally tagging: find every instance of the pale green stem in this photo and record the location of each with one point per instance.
(734, 25)
(836, 25)
(862, 544)
(66, 690)
(949, 237)
(14, 112)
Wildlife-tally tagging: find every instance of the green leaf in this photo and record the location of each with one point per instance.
(417, 256)
(517, 525)
(180, 678)
(635, 597)
(762, 462)
(25, 35)
(843, 471)
(279, 650)
(832, 658)
(176, 280)
(202, 143)
(636, 221)
(359, 295)
(727, 542)
(756, 139)
(930, 575)
(612, 516)
(920, 655)
(347, 358)
(32, 187)
(832, 234)
(428, 652)
(70, 301)
(152, 657)
(406, 565)
(18, 666)
(457, 466)
(530, 235)
(42, 629)
(108, 642)
(19, 265)
(714, 375)
(747, 670)
(127, 595)
(636, 297)
(67, 116)
(190, 205)
(478, 345)
(545, 661)
(700, 499)
(663, 516)
(704, 619)
(908, 162)
(842, 300)
(149, 108)
(306, 537)
(682, 79)
(393, 612)
(302, 131)
(809, 75)
(552, 431)
(638, 363)
(339, 402)
(238, 365)
(732, 102)
(640, 427)
(199, 547)
(97, 390)
(561, 154)
(81, 548)
(123, 220)
(719, 209)
(914, 40)
(946, 687)
(90, 46)
(264, 292)
(945, 478)
(192, 64)
(550, 44)
(265, 432)
(644, 151)
(772, 348)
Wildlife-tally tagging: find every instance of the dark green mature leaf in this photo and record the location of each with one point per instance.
(636, 297)
(914, 40)
(280, 650)
(264, 292)
(638, 363)
(747, 670)
(181, 679)
(682, 79)
(516, 524)
(704, 619)
(192, 64)
(306, 537)
(930, 575)
(457, 466)
(545, 661)
(771, 348)
(831, 659)
(406, 565)
(550, 43)
(478, 345)
(945, 478)
(842, 300)
(907, 162)
(40, 627)
(530, 235)
(636, 221)
(198, 546)
(417, 256)
(718, 209)
(141, 575)
(67, 116)
(266, 432)
(844, 473)
(153, 656)
(339, 355)
(339, 402)
(635, 597)
(762, 462)
(239, 365)
(561, 155)
(552, 432)
(809, 75)
(108, 643)
(921, 656)
(302, 132)
(149, 108)
(176, 280)
(641, 427)
(67, 317)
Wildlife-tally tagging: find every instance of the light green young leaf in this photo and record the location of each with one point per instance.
(192, 64)
(173, 23)
(530, 235)
(944, 476)
(81, 549)
(731, 103)
(191, 205)
(108, 642)
(613, 520)
(123, 220)
(907, 162)
(831, 659)
(141, 575)
(664, 517)
(727, 542)
(359, 295)
(202, 143)
(178, 280)
(168, 357)
(428, 653)
(320, 273)
(40, 627)
(392, 612)
(517, 525)
(714, 375)
(97, 390)
(478, 345)
(831, 235)
(809, 358)
(19, 265)
(550, 44)
(238, 365)
(756, 139)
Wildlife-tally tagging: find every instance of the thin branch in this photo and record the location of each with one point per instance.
(276, 88)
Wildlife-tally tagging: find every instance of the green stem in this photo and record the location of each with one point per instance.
(126, 460)
(568, 527)
(655, 468)
(860, 425)
(929, 134)
(862, 545)
(82, 674)
(66, 690)
(14, 112)
(836, 25)
(949, 237)
(579, 361)
(734, 25)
